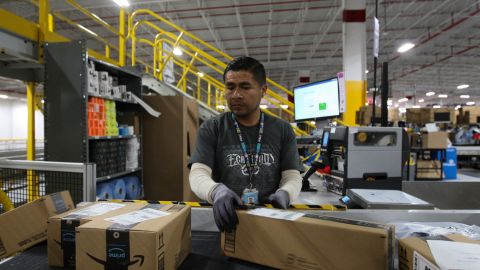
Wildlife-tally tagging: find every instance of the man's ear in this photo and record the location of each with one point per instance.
(264, 90)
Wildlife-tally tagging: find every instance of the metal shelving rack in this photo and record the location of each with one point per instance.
(66, 103)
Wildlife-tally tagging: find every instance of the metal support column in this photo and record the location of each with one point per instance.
(354, 57)
(32, 178)
(209, 94)
(121, 40)
(43, 19)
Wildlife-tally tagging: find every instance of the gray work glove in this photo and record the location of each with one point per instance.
(279, 199)
(224, 202)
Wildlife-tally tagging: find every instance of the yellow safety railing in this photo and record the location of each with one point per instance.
(196, 55)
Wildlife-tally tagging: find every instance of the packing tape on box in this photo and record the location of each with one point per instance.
(150, 110)
(324, 207)
(133, 188)
(105, 191)
(119, 189)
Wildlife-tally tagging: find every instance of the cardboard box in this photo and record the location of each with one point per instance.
(61, 229)
(429, 169)
(413, 252)
(171, 140)
(154, 237)
(435, 140)
(310, 242)
(26, 225)
(419, 116)
(470, 114)
(364, 115)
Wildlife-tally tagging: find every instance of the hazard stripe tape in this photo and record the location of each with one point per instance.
(328, 207)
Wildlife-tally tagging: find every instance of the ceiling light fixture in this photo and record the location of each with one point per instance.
(403, 100)
(464, 96)
(405, 47)
(312, 122)
(442, 96)
(263, 106)
(366, 71)
(88, 30)
(177, 51)
(221, 107)
(389, 102)
(3, 96)
(416, 106)
(471, 103)
(284, 106)
(122, 3)
(43, 101)
(430, 94)
(421, 100)
(463, 86)
(436, 106)
(200, 74)
(458, 107)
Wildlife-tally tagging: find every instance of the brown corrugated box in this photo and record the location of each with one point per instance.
(470, 114)
(26, 225)
(159, 243)
(407, 247)
(61, 229)
(429, 169)
(171, 140)
(435, 140)
(364, 115)
(311, 242)
(419, 116)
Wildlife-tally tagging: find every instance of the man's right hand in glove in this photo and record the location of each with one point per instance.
(224, 202)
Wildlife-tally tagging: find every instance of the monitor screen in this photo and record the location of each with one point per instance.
(316, 100)
(325, 136)
(441, 117)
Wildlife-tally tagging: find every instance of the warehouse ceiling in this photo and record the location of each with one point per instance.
(292, 35)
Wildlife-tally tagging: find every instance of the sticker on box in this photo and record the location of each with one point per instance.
(277, 214)
(97, 209)
(420, 263)
(137, 216)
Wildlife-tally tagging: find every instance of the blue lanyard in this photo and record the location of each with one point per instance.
(251, 167)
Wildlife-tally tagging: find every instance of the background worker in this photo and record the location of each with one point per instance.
(245, 155)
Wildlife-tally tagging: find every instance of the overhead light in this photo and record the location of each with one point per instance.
(436, 106)
(366, 103)
(402, 110)
(421, 100)
(396, 105)
(403, 100)
(221, 107)
(263, 106)
(442, 96)
(405, 47)
(3, 96)
(200, 74)
(366, 71)
(313, 122)
(88, 30)
(416, 106)
(43, 101)
(464, 96)
(122, 3)
(189, 87)
(430, 94)
(177, 51)
(389, 102)
(458, 107)
(471, 103)
(463, 86)
(158, 70)
(284, 106)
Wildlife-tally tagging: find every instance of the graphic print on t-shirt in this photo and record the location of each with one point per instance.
(264, 159)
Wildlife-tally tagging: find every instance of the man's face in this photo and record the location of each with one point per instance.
(243, 93)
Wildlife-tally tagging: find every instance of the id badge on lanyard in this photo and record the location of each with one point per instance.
(250, 193)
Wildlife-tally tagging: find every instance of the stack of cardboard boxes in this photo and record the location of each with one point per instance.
(469, 115)
(101, 83)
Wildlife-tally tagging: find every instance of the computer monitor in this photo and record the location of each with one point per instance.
(441, 117)
(317, 100)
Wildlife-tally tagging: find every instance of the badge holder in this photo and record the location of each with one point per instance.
(250, 196)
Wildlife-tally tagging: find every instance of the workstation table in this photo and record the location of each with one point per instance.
(206, 251)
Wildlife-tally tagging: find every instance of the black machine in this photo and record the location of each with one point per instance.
(364, 157)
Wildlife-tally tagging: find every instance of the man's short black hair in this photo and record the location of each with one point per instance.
(249, 64)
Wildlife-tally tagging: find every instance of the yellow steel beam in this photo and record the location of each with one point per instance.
(102, 57)
(31, 120)
(121, 41)
(18, 25)
(209, 94)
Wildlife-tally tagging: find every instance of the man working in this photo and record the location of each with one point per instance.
(244, 156)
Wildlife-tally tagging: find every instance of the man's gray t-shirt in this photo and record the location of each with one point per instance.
(218, 147)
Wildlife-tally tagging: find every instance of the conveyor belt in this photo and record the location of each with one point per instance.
(470, 150)
(206, 254)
